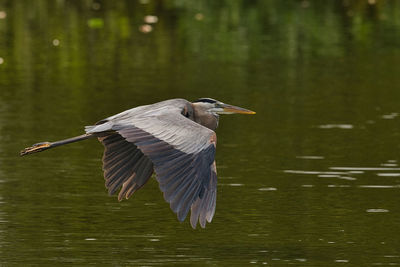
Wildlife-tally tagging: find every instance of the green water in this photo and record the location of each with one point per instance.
(313, 179)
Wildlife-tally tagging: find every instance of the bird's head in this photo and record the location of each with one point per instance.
(216, 107)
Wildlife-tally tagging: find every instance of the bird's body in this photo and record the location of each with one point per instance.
(173, 138)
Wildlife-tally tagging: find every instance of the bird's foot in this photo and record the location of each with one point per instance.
(35, 148)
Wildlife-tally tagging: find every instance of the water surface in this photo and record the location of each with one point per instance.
(312, 180)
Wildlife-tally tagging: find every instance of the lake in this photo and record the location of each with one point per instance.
(313, 179)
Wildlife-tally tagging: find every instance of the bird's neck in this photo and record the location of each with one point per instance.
(207, 119)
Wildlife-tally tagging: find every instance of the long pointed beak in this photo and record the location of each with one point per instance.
(229, 109)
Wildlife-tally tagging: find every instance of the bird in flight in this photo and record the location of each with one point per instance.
(175, 139)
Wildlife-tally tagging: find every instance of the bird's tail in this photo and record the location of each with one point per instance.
(39, 147)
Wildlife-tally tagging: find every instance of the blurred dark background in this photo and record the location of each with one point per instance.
(312, 179)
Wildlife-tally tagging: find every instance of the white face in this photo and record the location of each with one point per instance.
(218, 108)
(214, 108)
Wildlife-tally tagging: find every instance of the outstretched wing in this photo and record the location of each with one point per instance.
(124, 166)
(181, 151)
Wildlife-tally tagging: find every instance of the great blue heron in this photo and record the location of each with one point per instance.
(173, 138)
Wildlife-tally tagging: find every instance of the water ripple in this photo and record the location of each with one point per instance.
(310, 157)
(325, 174)
(364, 169)
(377, 210)
(388, 174)
(267, 189)
(379, 186)
(337, 126)
(390, 116)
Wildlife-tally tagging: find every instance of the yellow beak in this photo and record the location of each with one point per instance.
(229, 109)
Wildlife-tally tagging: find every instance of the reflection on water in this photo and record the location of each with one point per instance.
(364, 169)
(377, 210)
(267, 189)
(338, 126)
(390, 116)
(379, 186)
(311, 180)
(309, 157)
(347, 173)
(388, 174)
